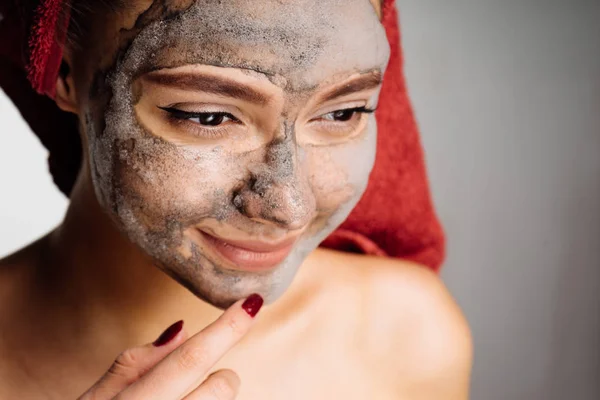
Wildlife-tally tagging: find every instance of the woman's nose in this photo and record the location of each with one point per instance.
(277, 192)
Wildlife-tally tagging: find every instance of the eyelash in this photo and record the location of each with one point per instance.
(179, 117)
(180, 114)
(347, 127)
(354, 110)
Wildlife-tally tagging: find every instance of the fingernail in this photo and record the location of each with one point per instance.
(253, 304)
(169, 334)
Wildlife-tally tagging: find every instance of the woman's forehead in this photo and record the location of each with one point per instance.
(302, 42)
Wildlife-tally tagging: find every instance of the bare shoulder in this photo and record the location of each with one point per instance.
(416, 331)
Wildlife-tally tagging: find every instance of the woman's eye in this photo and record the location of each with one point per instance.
(345, 115)
(340, 115)
(211, 119)
(203, 118)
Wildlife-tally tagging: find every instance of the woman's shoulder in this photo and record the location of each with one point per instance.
(400, 295)
(413, 323)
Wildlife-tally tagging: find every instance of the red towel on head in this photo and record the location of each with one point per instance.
(395, 217)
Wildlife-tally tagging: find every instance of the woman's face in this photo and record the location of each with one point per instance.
(227, 139)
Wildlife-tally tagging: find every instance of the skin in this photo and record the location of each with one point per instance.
(92, 287)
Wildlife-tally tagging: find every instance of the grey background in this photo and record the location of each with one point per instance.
(507, 95)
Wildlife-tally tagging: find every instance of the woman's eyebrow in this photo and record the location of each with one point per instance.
(363, 82)
(210, 84)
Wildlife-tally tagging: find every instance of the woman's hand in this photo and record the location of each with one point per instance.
(172, 366)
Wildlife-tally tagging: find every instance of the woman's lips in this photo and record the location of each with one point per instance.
(250, 255)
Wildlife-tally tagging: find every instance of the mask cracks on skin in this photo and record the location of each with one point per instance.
(158, 191)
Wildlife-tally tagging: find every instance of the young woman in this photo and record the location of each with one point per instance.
(223, 142)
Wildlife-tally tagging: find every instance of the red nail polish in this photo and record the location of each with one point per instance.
(253, 304)
(169, 334)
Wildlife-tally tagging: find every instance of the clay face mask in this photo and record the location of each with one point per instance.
(236, 135)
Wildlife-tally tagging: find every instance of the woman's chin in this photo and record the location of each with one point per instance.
(214, 281)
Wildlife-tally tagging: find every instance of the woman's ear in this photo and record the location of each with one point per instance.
(65, 96)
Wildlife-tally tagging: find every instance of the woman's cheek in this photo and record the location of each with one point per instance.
(329, 180)
(339, 174)
(161, 185)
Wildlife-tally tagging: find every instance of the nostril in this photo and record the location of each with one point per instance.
(247, 203)
(259, 186)
(238, 202)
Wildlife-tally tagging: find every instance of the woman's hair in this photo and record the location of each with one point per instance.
(81, 12)
(63, 141)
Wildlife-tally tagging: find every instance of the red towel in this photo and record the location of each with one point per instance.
(395, 217)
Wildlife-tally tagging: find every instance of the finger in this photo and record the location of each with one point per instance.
(181, 369)
(221, 385)
(133, 363)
